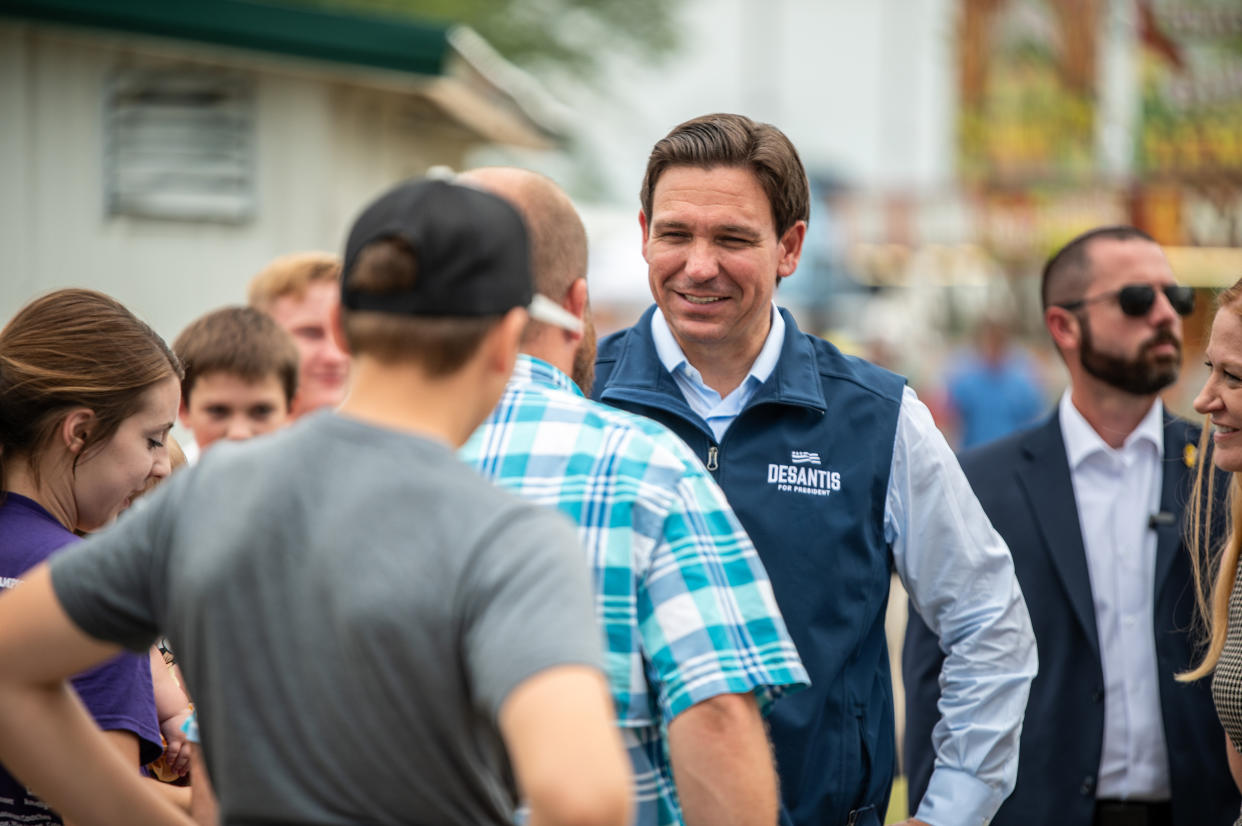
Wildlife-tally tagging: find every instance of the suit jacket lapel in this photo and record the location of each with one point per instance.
(1044, 473)
(1174, 496)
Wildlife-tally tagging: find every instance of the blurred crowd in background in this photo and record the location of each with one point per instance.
(164, 154)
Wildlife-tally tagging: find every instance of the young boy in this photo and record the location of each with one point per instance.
(241, 374)
(424, 642)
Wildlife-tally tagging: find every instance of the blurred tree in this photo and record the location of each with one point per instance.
(569, 35)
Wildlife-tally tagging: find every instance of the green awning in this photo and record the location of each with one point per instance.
(352, 39)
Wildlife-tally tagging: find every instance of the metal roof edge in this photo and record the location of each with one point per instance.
(523, 92)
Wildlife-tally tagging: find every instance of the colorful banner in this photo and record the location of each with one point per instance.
(1191, 124)
(1027, 73)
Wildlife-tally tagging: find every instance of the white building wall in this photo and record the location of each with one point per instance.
(864, 88)
(16, 252)
(323, 147)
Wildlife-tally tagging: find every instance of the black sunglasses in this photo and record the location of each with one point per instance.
(1136, 299)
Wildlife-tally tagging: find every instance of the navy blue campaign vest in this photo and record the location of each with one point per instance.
(805, 466)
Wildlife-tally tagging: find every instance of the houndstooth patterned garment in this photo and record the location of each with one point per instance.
(1227, 679)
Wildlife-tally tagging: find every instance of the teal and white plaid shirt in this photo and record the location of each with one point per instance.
(684, 602)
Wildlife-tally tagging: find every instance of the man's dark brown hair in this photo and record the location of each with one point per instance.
(736, 140)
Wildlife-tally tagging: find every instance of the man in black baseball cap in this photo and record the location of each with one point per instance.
(422, 643)
(472, 251)
(472, 248)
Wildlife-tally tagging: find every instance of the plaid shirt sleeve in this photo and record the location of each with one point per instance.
(707, 615)
(190, 727)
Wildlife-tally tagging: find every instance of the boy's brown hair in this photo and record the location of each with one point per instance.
(292, 275)
(241, 341)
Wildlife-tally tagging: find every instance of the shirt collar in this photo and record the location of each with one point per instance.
(530, 370)
(1081, 440)
(673, 358)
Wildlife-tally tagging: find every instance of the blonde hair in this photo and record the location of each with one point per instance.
(1213, 608)
(291, 275)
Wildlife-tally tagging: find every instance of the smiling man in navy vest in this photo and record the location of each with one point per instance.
(1091, 504)
(837, 473)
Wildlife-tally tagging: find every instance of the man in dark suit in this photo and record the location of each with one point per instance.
(1090, 503)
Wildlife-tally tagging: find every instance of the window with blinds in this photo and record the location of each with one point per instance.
(180, 144)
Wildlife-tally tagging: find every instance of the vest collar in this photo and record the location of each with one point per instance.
(794, 381)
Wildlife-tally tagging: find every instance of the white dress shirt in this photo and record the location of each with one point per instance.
(1117, 491)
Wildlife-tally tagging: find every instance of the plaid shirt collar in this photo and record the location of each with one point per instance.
(536, 371)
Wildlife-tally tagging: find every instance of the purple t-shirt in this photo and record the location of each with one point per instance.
(118, 693)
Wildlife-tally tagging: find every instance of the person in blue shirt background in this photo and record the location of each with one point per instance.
(837, 472)
(992, 390)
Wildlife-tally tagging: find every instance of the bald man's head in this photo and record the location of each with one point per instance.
(558, 242)
(558, 251)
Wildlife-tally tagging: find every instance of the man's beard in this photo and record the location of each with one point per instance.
(1142, 375)
(584, 357)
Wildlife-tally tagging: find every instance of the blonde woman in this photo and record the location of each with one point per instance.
(1221, 402)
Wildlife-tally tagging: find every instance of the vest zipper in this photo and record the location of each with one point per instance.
(712, 453)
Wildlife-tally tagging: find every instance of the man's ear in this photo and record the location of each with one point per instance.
(1064, 327)
(75, 429)
(577, 301)
(791, 249)
(642, 223)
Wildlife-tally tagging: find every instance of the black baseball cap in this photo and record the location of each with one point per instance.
(472, 249)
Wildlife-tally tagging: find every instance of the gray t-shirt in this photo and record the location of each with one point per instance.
(350, 606)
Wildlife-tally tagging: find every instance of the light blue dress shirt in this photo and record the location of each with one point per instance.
(946, 553)
(718, 412)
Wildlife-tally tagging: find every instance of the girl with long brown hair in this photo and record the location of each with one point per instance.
(88, 394)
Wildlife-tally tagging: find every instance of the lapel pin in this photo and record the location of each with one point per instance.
(1189, 454)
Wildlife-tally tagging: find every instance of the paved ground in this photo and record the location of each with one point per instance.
(897, 803)
(895, 627)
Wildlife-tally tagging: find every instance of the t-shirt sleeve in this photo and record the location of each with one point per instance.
(119, 697)
(528, 605)
(109, 585)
